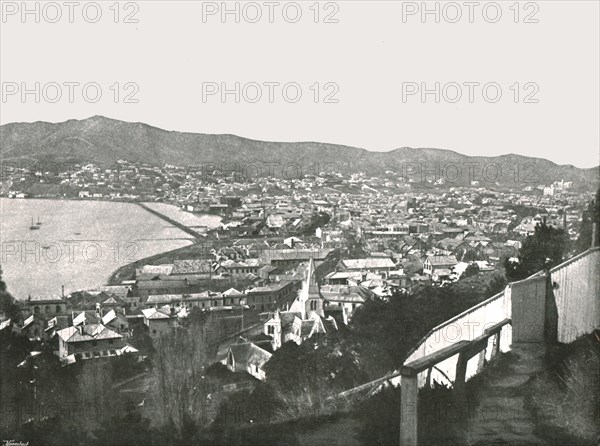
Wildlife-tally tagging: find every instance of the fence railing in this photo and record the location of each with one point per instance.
(576, 289)
(480, 349)
(466, 326)
(457, 349)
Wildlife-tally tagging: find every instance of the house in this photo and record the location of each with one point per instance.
(248, 357)
(123, 292)
(270, 296)
(267, 272)
(55, 324)
(155, 270)
(206, 299)
(116, 321)
(349, 298)
(232, 297)
(191, 266)
(47, 306)
(33, 327)
(5, 325)
(238, 269)
(158, 321)
(89, 341)
(5, 329)
(275, 221)
(377, 265)
(87, 317)
(439, 265)
(287, 258)
(342, 277)
(115, 303)
(162, 300)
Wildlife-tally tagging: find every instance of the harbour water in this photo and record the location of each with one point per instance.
(78, 244)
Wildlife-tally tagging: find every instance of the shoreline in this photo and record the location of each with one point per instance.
(197, 239)
(117, 276)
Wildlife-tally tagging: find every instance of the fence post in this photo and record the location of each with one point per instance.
(496, 347)
(408, 410)
(481, 361)
(461, 371)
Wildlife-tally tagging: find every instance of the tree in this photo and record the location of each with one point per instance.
(8, 306)
(495, 285)
(472, 270)
(181, 359)
(542, 250)
(318, 220)
(590, 216)
(329, 360)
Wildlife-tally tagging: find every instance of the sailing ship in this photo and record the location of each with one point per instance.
(39, 223)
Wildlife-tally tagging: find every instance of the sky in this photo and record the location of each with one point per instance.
(486, 78)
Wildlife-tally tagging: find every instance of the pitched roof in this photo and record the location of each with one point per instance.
(4, 324)
(86, 316)
(334, 275)
(307, 327)
(154, 314)
(166, 269)
(288, 318)
(345, 293)
(46, 299)
(119, 290)
(28, 321)
(442, 260)
(249, 353)
(109, 317)
(114, 300)
(191, 266)
(373, 262)
(88, 332)
(163, 298)
(330, 324)
(296, 254)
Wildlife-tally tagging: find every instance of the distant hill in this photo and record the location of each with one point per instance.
(104, 141)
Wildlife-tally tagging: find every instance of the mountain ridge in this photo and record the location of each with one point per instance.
(105, 140)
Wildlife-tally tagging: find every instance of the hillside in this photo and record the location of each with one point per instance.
(104, 141)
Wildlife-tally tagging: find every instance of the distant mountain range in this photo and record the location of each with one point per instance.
(104, 141)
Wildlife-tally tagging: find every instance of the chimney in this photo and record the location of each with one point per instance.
(594, 234)
(63, 291)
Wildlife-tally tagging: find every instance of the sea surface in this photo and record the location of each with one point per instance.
(79, 244)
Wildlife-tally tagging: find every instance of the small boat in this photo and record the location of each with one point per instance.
(33, 227)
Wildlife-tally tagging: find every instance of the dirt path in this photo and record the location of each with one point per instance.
(500, 415)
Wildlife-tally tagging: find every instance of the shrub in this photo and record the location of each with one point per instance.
(565, 398)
